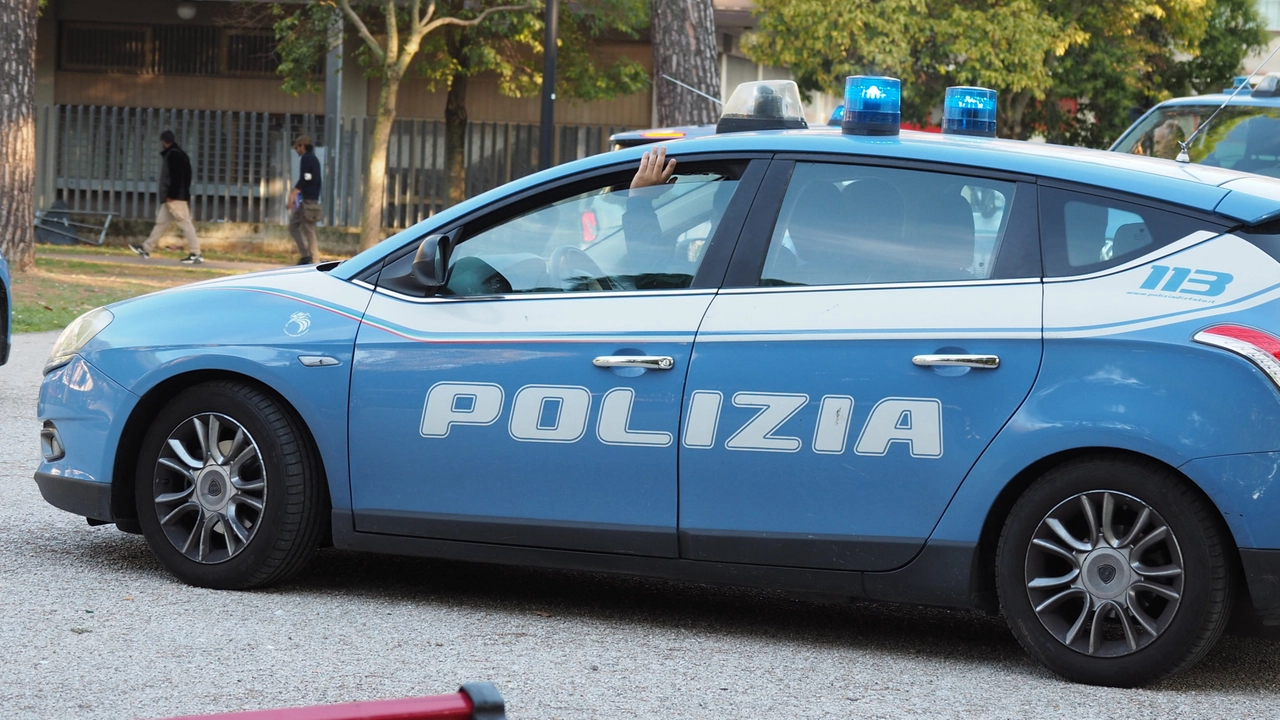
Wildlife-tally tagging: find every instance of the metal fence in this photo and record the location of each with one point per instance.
(107, 159)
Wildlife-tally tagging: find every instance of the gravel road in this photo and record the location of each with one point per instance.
(94, 628)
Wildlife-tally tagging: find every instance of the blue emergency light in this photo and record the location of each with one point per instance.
(872, 105)
(969, 111)
(837, 116)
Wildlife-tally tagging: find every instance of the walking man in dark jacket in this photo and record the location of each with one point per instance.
(304, 202)
(174, 195)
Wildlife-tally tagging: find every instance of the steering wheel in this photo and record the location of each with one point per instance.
(566, 259)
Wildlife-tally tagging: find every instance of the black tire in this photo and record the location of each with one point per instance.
(246, 515)
(1151, 622)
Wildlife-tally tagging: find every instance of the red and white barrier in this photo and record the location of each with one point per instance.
(473, 701)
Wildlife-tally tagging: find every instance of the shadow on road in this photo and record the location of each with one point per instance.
(938, 635)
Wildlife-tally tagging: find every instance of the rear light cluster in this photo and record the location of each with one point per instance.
(1260, 348)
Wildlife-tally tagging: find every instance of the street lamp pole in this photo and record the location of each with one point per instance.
(547, 138)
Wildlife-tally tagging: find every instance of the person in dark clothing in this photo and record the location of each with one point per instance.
(641, 230)
(174, 195)
(304, 202)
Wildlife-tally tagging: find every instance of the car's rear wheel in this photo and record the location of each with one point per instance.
(229, 489)
(1114, 572)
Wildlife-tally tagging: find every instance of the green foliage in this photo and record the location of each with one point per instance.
(508, 44)
(1070, 70)
(302, 41)
(929, 45)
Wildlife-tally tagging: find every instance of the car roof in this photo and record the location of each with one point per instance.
(664, 134)
(1236, 196)
(1216, 99)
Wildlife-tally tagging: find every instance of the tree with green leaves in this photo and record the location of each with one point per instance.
(400, 31)
(511, 48)
(448, 43)
(1068, 70)
(1129, 62)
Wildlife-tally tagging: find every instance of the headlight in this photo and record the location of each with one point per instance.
(77, 335)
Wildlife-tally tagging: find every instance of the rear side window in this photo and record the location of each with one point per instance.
(1085, 233)
(852, 225)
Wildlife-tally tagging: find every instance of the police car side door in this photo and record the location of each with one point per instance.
(536, 399)
(867, 347)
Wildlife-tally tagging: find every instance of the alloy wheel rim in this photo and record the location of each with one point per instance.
(210, 488)
(1104, 573)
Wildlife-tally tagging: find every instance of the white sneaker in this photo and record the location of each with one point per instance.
(192, 259)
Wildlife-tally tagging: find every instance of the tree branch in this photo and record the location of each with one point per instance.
(438, 22)
(363, 30)
(431, 11)
(393, 32)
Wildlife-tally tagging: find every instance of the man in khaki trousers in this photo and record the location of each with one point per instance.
(174, 195)
(304, 202)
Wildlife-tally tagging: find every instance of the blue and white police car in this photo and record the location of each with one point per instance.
(1238, 128)
(806, 361)
(6, 310)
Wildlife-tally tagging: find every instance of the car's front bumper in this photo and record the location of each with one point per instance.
(89, 498)
(85, 410)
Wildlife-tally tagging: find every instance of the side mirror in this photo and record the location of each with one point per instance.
(430, 261)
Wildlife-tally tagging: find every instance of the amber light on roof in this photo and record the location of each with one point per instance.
(668, 134)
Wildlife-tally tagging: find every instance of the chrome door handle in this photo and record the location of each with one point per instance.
(986, 362)
(648, 362)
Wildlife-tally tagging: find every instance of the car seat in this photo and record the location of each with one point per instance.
(876, 217)
(940, 236)
(1262, 147)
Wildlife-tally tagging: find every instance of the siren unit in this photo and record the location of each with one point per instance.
(969, 111)
(763, 105)
(873, 107)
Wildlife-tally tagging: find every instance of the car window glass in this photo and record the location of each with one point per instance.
(1085, 233)
(1242, 137)
(851, 224)
(607, 238)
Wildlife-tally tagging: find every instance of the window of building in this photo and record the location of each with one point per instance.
(191, 50)
(1270, 11)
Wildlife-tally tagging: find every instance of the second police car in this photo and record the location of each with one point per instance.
(809, 361)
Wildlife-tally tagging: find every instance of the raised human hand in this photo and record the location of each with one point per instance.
(655, 169)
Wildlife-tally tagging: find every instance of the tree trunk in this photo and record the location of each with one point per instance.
(375, 179)
(684, 47)
(455, 138)
(17, 131)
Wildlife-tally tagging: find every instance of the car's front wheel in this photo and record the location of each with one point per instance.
(229, 490)
(1114, 572)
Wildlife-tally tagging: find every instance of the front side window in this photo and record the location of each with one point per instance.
(1086, 233)
(608, 238)
(852, 224)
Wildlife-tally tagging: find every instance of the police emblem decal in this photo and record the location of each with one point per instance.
(298, 324)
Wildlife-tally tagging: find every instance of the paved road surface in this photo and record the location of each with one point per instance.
(94, 628)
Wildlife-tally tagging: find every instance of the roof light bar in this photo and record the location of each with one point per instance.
(969, 111)
(872, 105)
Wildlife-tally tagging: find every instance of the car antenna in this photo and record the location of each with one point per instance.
(1184, 155)
(693, 89)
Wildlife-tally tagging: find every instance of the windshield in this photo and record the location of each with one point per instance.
(1242, 137)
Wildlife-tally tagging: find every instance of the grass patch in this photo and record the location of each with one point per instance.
(180, 251)
(58, 290)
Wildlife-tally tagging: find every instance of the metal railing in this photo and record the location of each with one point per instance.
(106, 159)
